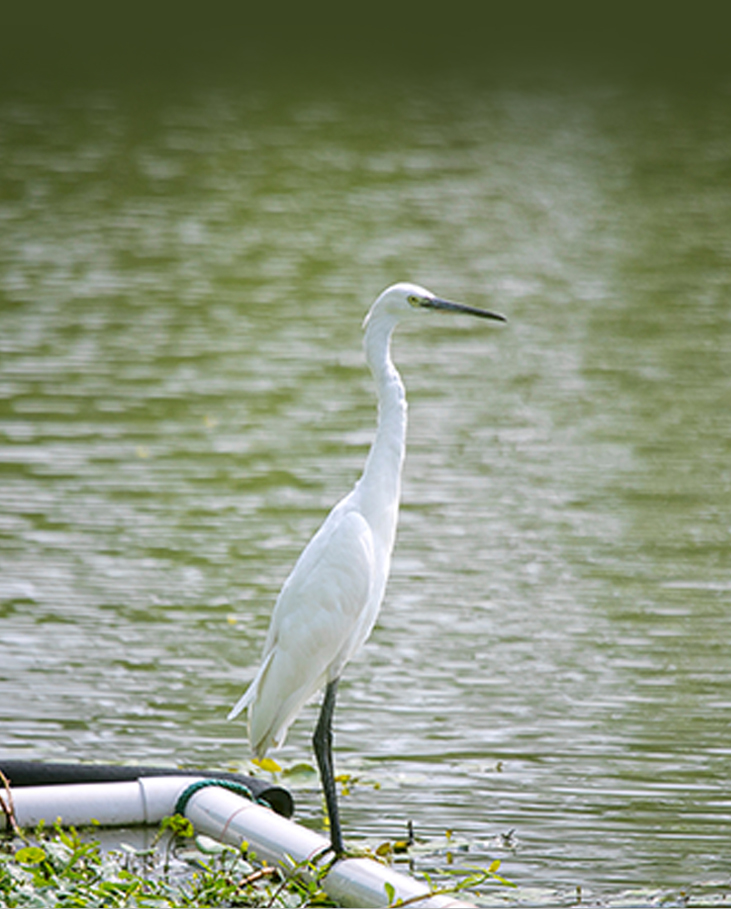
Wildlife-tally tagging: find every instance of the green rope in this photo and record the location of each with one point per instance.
(187, 794)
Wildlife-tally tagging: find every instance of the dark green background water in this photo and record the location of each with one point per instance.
(183, 273)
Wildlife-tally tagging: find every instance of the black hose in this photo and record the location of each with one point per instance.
(37, 773)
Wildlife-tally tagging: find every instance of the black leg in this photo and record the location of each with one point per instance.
(322, 742)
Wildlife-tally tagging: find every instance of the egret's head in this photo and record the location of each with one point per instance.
(399, 300)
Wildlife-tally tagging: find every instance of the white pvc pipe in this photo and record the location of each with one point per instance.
(143, 801)
(360, 882)
(229, 818)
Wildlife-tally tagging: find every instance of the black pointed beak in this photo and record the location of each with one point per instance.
(447, 306)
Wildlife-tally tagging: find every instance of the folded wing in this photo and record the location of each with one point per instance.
(323, 614)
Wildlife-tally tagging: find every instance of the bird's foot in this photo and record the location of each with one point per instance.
(328, 856)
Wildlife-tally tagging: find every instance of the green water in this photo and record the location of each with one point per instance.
(183, 396)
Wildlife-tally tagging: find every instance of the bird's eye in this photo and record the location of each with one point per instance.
(414, 300)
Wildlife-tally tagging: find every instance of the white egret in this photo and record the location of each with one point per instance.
(329, 603)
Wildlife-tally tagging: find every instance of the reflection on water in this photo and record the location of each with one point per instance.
(183, 396)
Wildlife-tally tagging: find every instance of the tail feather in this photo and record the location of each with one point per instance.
(244, 701)
(249, 696)
(273, 705)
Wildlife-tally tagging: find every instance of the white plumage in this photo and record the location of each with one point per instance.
(330, 601)
(326, 609)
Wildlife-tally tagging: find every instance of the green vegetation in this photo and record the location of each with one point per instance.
(58, 867)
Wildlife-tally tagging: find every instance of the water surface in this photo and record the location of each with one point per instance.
(183, 397)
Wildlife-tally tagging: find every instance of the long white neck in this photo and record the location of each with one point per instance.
(379, 488)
